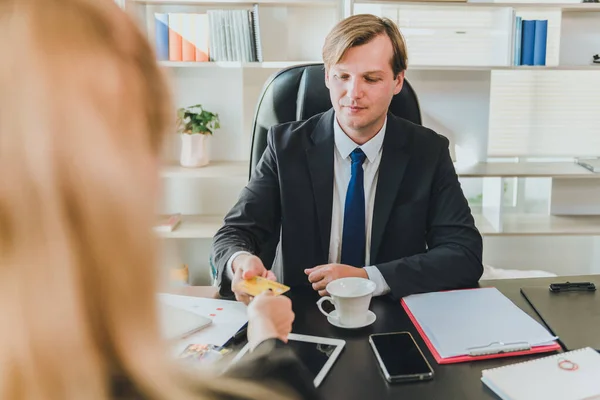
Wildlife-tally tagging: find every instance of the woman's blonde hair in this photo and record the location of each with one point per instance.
(361, 29)
(83, 111)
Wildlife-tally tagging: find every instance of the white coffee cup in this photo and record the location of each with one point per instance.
(351, 298)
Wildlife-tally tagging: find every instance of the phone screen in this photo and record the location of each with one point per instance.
(400, 354)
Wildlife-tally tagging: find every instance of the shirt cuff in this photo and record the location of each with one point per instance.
(381, 286)
(228, 267)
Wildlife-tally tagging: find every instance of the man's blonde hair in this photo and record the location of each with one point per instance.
(83, 111)
(361, 29)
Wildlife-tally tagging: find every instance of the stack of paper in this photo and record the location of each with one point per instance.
(566, 376)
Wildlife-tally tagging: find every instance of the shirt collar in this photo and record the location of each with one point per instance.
(345, 145)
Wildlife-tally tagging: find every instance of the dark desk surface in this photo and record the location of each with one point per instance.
(356, 374)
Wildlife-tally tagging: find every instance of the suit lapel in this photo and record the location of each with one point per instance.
(394, 160)
(320, 164)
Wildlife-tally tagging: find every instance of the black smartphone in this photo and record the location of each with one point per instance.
(399, 357)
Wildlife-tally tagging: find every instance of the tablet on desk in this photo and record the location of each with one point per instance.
(317, 353)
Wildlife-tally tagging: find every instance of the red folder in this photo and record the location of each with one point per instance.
(451, 360)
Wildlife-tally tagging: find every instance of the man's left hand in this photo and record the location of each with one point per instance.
(321, 275)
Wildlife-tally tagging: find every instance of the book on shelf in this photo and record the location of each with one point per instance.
(530, 41)
(217, 35)
(167, 223)
(592, 164)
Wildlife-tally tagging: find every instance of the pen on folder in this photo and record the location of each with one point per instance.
(499, 348)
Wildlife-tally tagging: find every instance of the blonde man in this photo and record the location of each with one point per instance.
(358, 191)
(83, 110)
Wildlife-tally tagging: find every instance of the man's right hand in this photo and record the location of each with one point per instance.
(246, 266)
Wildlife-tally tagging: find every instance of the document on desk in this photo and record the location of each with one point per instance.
(565, 376)
(465, 325)
(227, 318)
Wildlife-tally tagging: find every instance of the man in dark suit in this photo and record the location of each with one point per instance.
(357, 191)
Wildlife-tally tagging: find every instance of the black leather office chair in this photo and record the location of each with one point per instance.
(297, 93)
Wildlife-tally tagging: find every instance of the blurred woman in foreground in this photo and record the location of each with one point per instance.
(83, 111)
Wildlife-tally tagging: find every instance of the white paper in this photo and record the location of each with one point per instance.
(457, 321)
(227, 316)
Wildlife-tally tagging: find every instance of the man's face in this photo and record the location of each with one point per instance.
(361, 87)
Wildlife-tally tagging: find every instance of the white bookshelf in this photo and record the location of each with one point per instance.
(216, 169)
(195, 227)
(540, 225)
(205, 226)
(525, 170)
(301, 3)
(240, 170)
(468, 91)
(232, 64)
(571, 7)
(277, 65)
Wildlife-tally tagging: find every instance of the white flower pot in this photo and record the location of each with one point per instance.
(194, 150)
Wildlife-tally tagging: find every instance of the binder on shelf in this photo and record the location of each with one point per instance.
(528, 42)
(161, 21)
(175, 38)
(518, 40)
(475, 324)
(256, 31)
(540, 39)
(201, 39)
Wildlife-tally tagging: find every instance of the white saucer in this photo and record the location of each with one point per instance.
(371, 317)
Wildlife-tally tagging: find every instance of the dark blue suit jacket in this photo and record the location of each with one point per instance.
(423, 234)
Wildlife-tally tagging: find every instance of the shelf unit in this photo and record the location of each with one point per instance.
(216, 169)
(302, 3)
(471, 103)
(240, 169)
(571, 7)
(195, 227)
(286, 64)
(525, 170)
(205, 226)
(232, 64)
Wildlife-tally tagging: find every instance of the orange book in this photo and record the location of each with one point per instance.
(201, 37)
(188, 49)
(175, 38)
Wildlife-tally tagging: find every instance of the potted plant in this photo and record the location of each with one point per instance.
(195, 125)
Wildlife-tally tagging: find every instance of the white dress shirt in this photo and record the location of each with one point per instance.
(342, 173)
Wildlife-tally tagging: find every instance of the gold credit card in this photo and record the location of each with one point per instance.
(257, 285)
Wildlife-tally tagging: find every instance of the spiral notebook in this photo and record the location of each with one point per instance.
(574, 375)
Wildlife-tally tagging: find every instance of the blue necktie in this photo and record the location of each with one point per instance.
(353, 236)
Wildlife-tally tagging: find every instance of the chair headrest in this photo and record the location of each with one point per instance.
(313, 96)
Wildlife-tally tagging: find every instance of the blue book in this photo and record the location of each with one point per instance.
(518, 34)
(162, 36)
(541, 36)
(528, 42)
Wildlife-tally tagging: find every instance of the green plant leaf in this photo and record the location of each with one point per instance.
(202, 121)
